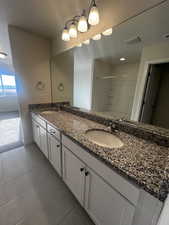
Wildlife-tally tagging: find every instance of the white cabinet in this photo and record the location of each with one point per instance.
(43, 141)
(54, 153)
(104, 204)
(73, 174)
(36, 133)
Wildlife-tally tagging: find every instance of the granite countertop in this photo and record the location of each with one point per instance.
(143, 162)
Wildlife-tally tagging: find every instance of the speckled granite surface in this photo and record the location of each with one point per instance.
(143, 162)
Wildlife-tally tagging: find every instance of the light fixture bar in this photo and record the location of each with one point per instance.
(81, 23)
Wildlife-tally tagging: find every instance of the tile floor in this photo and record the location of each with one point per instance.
(31, 193)
(10, 127)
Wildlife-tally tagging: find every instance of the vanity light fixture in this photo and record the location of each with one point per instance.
(122, 59)
(97, 37)
(93, 14)
(81, 23)
(87, 42)
(73, 31)
(3, 55)
(65, 35)
(107, 32)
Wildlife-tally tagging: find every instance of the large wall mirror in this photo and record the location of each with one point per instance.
(125, 75)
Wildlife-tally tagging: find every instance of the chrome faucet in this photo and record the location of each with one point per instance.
(112, 126)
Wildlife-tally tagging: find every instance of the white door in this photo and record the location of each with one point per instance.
(54, 153)
(73, 174)
(150, 95)
(36, 133)
(43, 141)
(104, 204)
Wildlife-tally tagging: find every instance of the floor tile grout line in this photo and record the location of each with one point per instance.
(65, 216)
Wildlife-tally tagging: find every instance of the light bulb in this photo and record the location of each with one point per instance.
(72, 31)
(65, 35)
(107, 32)
(97, 37)
(87, 42)
(3, 55)
(93, 16)
(122, 59)
(82, 24)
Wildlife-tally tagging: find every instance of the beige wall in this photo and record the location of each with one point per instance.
(31, 56)
(156, 53)
(112, 13)
(62, 69)
(101, 87)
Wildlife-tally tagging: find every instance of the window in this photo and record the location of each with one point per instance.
(7, 85)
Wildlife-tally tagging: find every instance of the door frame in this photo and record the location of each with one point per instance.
(141, 87)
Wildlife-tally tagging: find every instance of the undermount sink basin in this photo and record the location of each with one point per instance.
(47, 112)
(104, 138)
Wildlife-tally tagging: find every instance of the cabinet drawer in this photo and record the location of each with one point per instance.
(119, 183)
(40, 121)
(53, 131)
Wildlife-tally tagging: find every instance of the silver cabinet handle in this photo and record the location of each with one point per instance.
(52, 132)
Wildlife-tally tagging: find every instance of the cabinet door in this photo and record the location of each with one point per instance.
(36, 133)
(73, 174)
(55, 153)
(43, 141)
(104, 204)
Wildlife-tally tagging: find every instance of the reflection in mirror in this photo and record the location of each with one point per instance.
(62, 69)
(124, 75)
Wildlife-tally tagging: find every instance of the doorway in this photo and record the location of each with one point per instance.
(10, 123)
(155, 104)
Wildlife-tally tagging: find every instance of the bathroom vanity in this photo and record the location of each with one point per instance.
(119, 185)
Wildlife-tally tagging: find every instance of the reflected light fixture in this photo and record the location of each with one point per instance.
(97, 37)
(93, 14)
(87, 42)
(65, 35)
(3, 55)
(122, 59)
(107, 32)
(73, 31)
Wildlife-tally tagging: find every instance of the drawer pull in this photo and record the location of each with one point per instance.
(86, 173)
(57, 146)
(81, 169)
(52, 132)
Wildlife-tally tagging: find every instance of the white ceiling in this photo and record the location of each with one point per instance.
(150, 26)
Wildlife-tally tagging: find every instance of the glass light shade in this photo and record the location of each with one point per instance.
(107, 32)
(93, 16)
(73, 31)
(122, 59)
(97, 37)
(87, 42)
(3, 55)
(65, 35)
(82, 24)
